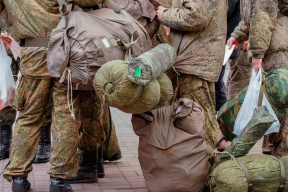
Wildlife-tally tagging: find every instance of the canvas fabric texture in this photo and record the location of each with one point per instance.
(85, 41)
(198, 33)
(201, 92)
(167, 160)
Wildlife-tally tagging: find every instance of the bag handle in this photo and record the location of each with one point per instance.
(248, 176)
(112, 5)
(283, 176)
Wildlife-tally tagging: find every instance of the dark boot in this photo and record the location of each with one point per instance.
(100, 168)
(59, 185)
(115, 157)
(43, 153)
(20, 184)
(5, 139)
(87, 172)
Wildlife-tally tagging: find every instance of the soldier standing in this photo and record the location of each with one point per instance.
(265, 26)
(197, 30)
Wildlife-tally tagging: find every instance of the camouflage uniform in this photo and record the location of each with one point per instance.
(265, 28)
(36, 19)
(198, 33)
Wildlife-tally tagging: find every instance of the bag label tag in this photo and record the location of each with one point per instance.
(138, 72)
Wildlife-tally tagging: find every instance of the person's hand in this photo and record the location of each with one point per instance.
(245, 45)
(257, 64)
(7, 39)
(167, 31)
(232, 41)
(160, 10)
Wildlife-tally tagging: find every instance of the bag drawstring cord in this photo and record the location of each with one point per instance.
(69, 82)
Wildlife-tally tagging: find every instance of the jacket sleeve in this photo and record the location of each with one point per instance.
(241, 32)
(264, 16)
(85, 3)
(195, 15)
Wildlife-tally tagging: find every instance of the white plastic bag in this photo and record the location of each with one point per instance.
(7, 83)
(251, 103)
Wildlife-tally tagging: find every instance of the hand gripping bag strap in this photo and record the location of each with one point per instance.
(283, 176)
(248, 176)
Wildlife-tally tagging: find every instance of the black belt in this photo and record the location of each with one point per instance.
(34, 42)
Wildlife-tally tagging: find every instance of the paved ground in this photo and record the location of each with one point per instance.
(122, 176)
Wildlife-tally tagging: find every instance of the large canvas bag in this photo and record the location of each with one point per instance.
(173, 158)
(84, 41)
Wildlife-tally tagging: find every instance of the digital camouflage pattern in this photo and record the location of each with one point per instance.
(201, 92)
(251, 134)
(31, 98)
(264, 170)
(152, 63)
(33, 19)
(88, 119)
(198, 33)
(258, 25)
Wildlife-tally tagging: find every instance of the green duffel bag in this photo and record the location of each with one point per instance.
(274, 88)
(252, 173)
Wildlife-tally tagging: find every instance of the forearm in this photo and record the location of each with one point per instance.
(194, 16)
(241, 32)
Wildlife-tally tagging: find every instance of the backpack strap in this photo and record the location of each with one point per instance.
(248, 176)
(112, 5)
(283, 176)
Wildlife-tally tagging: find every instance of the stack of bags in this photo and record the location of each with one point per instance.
(140, 85)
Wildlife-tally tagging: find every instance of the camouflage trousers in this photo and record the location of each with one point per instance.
(94, 129)
(32, 96)
(202, 92)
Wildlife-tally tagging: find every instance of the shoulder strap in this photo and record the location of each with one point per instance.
(112, 5)
(283, 176)
(248, 176)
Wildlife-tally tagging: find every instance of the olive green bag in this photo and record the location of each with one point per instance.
(260, 173)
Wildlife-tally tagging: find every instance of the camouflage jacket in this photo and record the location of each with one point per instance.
(36, 19)
(198, 33)
(257, 25)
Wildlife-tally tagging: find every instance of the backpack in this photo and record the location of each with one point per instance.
(84, 41)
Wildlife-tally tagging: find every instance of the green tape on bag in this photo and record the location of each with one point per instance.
(138, 72)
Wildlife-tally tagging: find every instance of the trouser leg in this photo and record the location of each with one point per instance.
(97, 126)
(65, 131)
(202, 92)
(239, 75)
(280, 140)
(31, 98)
